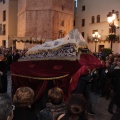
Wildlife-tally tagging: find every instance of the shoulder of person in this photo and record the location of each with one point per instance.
(89, 116)
(60, 116)
(45, 115)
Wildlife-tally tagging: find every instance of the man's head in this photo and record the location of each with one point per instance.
(23, 97)
(2, 58)
(5, 107)
(56, 95)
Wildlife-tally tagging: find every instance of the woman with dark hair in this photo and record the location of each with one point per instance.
(76, 109)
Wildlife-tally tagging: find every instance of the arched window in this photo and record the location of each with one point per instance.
(93, 19)
(98, 18)
(62, 23)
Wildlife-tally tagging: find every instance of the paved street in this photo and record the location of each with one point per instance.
(100, 104)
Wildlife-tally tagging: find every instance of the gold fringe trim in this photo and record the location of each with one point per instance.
(51, 78)
(73, 58)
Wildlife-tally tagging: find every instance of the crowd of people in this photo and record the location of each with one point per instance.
(104, 81)
(7, 57)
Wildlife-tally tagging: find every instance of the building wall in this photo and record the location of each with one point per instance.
(40, 18)
(94, 8)
(11, 21)
(4, 7)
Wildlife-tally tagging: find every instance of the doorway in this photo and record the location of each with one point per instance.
(4, 43)
(100, 48)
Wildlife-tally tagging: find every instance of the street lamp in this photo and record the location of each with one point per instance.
(112, 18)
(96, 36)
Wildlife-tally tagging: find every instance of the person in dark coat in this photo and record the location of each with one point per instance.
(116, 87)
(23, 100)
(106, 76)
(83, 88)
(15, 55)
(3, 74)
(8, 56)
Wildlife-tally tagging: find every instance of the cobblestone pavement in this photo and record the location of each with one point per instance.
(100, 104)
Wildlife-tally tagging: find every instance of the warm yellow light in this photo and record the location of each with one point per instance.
(99, 35)
(96, 33)
(113, 16)
(93, 35)
(110, 19)
(116, 23)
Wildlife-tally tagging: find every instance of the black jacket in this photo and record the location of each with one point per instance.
(24, 114)
(116, 86)
(52, 112)
(3, 77)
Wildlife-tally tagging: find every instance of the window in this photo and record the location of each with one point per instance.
(4, 43)
(61, 34)
(83, 8)
(62, 23)
(95, 31)
(4, 1)
(83, 22)
(93, 19)
(62, 7)
(4, 15)
(4, 29)
(98, 18)
(112, 30)
(83, 34)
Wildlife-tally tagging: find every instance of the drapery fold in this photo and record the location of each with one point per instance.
(65, 74)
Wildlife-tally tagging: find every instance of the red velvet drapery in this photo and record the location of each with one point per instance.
(65, 74)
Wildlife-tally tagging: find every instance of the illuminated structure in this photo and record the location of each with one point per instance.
(112, 18)
(96, 37)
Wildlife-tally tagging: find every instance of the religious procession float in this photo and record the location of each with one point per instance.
(61, 61)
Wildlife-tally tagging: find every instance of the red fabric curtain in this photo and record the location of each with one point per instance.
(36, 74)
(27, 73)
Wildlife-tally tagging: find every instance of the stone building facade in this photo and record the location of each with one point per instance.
(48, 19)
(8, 21)
(88, 12)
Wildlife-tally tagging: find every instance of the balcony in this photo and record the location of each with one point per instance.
(105, 38)
(112, 37)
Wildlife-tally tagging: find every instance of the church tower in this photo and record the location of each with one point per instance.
(49, 19)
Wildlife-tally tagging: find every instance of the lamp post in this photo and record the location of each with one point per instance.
(96, 36)
(112, 18)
